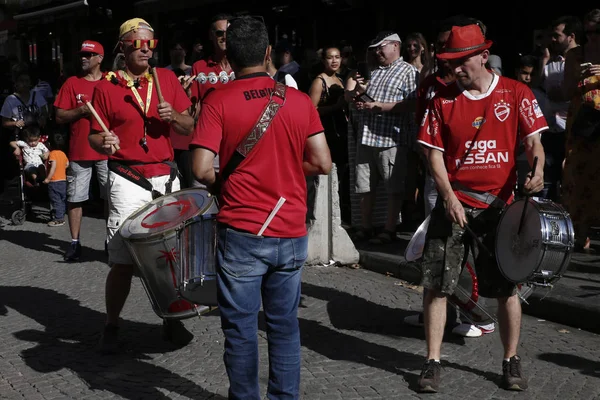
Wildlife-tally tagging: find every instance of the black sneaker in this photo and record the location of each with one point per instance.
(109, 341)
(175, 332)
(512, 375)
(429, 381)
(73, 252)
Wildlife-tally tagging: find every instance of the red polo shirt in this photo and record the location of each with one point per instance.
(273, 168)
(209, 75)
(79, 146)
(118, 108)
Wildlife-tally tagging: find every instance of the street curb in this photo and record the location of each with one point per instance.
(549, 306)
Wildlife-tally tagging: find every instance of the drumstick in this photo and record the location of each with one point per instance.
(98, 119)
(522, 221)
(478, 240)
(152, 63)
(270, 218)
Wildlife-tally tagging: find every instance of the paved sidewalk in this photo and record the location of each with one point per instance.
(354, 344)
(574, 300)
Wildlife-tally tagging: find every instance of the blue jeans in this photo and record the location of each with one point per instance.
(57, 191)
(251, 268)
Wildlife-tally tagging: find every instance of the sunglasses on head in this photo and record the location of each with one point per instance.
(139, 43)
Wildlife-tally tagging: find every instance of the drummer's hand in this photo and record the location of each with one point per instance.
(533, 185)
(166, 112)
(109, 140)
(455, 212)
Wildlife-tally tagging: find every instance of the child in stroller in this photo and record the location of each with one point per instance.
(34, 154)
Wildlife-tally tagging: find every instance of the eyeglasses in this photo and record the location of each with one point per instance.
(139, 43)
(86, 54)
(220, 33)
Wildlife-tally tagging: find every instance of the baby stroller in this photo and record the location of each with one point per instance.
(19, 193)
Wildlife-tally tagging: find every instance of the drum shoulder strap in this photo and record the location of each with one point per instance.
(133, 176)
(484, 197)
(256, 133)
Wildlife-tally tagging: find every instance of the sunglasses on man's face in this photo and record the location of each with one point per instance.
(139, 43)
(220, 33)
(86, 54)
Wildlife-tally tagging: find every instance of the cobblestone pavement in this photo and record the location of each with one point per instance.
(354, 344)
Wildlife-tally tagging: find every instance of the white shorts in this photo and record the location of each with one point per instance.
(124, 198)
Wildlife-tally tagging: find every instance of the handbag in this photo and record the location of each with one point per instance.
(586, 124)
(255, 134)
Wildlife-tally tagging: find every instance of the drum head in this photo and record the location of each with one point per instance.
(166, 213)
(414, 250)
(518, 256)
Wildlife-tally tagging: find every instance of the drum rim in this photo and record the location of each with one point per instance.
(537, 202)
(167, 232)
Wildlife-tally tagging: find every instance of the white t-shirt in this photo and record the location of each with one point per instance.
(290, 81)
(13, 108)
(32, 155)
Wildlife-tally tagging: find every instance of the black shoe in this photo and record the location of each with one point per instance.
(429, 381)
(512, 375)
(73, 252)
(109, 341)
(175, 332)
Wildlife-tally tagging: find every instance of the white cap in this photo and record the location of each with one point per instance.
(390, 38)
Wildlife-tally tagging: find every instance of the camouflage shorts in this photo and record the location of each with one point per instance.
(447, 248)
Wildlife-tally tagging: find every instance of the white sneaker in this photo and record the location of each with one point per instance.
(467, 330)
(414, 320)
(489, 328)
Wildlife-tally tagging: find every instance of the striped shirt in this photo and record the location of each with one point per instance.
(390, 84)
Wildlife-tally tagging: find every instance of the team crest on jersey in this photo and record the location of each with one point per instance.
(502, 110)
(536, 109)
(478, 122)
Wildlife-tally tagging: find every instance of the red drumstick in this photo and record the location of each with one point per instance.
(89, 105)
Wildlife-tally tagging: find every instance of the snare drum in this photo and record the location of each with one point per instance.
(151, 235)
(542, 252)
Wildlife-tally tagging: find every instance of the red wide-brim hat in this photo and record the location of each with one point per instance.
(464, 41)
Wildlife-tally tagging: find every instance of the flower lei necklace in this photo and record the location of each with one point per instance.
(126, 81)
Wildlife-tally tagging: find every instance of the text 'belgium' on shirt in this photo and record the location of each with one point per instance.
(257, 93)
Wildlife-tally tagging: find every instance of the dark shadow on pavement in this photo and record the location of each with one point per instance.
(583, 365)
(44, 242)
(70, 335)
(351, 312)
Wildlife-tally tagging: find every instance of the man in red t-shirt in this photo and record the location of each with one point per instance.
(139, 124)
(271, 175)
(70, 109)
(472, 129)
(214, 71)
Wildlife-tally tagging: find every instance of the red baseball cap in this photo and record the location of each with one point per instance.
(89, 46)
(464, 41)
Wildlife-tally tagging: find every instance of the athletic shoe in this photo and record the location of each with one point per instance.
(488, 328)
(429, 380)
(73, 252)
(414, 320)
(56, 222)
(109, 341)
(467, 330)
(512, 374)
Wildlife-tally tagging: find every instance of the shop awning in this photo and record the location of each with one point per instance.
(51, 10)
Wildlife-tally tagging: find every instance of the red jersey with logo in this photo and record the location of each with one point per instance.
(426, 91)
(67, 99)
(209, 76)
(479, 135)
(118, 107)
(273, 168)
